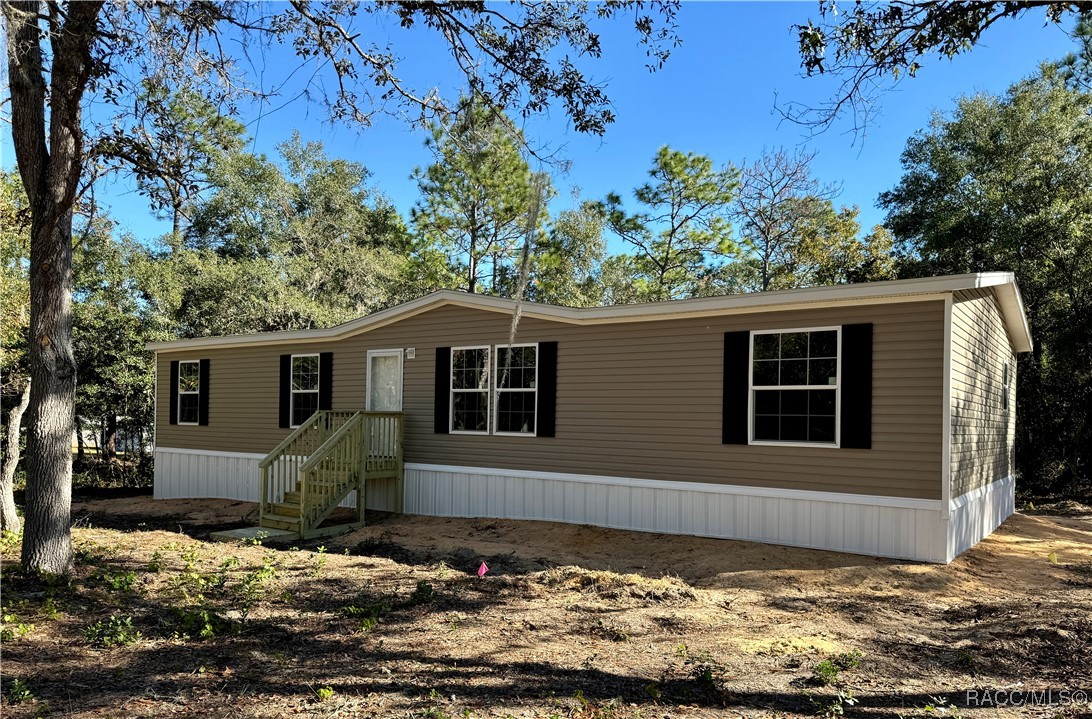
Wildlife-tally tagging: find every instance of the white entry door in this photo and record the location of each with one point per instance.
(384, 381)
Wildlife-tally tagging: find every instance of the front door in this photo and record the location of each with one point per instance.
(384, 381)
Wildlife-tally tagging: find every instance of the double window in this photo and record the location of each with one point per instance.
(189, 392)
(494, 389)
(794, 386)
(305, 387)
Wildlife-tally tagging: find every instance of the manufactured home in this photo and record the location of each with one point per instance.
(874, 418)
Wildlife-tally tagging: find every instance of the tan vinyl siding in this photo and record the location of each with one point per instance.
(637, 399)
(983, 431)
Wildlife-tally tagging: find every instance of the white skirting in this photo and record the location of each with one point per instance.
(892, 527)
(881, 526)
(191, 473)
(975, 514)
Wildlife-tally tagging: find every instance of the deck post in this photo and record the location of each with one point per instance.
(400, 468)
(362, 467)
(264, 492)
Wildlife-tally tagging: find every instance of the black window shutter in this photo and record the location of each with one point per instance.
(326, 380)
(856, 379)
(286, 391)
(737, 351)
(546, 411)
(442, 404)
(203, 396)
(174, 392)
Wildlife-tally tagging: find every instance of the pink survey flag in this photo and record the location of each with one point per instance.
(482, 570)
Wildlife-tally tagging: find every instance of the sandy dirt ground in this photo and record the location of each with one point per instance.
(570, 621)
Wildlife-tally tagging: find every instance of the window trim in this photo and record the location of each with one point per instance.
(751, 387)
(178, 390)
(292, 392)
(401, 377)
(497, 391)
(451, 391)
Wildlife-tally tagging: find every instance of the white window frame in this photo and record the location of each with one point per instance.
(401, 377)
(293, 392)
(451, 391)
(497, 390)
(178, 390)
(751, 387)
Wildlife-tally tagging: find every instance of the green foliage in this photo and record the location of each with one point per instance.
(367, 613)
(828, 671)
(825, 673)
(176, 139)
(474, 204)
(568, 262)
(683, 223)
(300, 244)
(11, 628)
(14, 287)
(1001, 183)
(324, 694)
(18, 692)
(831, 707)
(318, 563)
(120, 582)
(199, 622)
(706, 671)
(423, 593)
(10, 541)
(113, 632)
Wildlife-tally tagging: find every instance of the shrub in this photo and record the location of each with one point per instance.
(825, 673)
(19, 692)
(324, 693)
(368, 613)
(113, 632)
(422, 594)
(199, 622)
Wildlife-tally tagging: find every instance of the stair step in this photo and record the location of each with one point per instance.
(287, 509)
(292, 498)
(281, 521)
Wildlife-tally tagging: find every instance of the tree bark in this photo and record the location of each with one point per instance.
(9, 517)
(81, 444)
(49, 155)
(110, 439)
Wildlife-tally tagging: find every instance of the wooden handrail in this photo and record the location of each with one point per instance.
(287, 441)
(331, 442)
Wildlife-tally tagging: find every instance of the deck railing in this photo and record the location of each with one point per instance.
(333, 470)
(329, 455)
(280, 468)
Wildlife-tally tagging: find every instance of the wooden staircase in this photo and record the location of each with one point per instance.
(326, 458)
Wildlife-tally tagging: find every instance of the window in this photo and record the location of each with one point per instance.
(794, 386)
(1005, 386)
(516, 373)
(470, 390)
(305, 387)
(189, 392)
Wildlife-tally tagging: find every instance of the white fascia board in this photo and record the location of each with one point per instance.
(811, 297)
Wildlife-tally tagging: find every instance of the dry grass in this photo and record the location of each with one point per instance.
(570, 622)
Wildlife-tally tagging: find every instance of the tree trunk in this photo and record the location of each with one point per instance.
(81, 444)
(110, 439)
(47, 541)
(9, 517)
(49, 154)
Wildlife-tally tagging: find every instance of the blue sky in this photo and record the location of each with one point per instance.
(715, 95)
